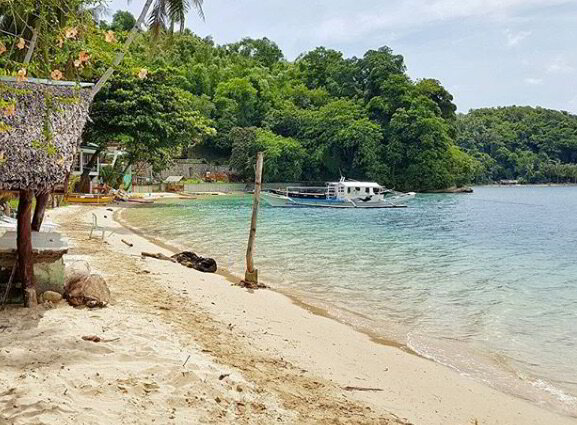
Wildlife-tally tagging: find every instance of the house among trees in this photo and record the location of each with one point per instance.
(110, 157)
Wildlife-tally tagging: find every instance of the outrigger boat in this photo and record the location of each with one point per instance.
(80, 198)
(341, 194)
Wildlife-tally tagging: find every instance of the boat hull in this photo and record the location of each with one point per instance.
(280, 201)
(88, 199)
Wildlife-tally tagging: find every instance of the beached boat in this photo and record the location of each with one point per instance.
(80, 198)
(341, 194)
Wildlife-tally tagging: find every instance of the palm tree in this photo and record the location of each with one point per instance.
(163, 12)
(166, 13)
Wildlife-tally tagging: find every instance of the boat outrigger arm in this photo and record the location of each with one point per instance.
(341, 194)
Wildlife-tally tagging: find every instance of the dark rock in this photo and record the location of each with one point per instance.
(190, 259)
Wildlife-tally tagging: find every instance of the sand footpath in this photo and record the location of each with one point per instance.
(182, 347)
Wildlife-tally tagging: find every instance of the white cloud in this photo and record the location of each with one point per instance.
(533, 81)
(410, 14)
(560, 66)
(514, 38)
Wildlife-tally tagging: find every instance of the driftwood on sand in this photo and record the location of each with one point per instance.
(158, 256)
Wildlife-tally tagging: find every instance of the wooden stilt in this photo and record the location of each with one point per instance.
(251, 274)
(24, 244)
(41, 202)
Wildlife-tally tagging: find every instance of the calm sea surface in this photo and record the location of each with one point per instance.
(484, 283)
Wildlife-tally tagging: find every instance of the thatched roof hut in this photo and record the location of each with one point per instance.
(40, 126)
(41, 122)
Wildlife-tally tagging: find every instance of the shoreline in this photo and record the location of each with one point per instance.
(323, 310)
(375, 338)
(234, 279)
(486, 368)
(283, 336)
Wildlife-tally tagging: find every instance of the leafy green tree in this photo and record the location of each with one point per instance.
(433, 90)
(283, 157)
(150, 119)
(263, 51)
(122, 21)
(418, 152)
(531, 144)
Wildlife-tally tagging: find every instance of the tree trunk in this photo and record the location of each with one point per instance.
(41, 202)
(126, 168)
(33, 41)
(24, 246)
(251, 274)
(85, 177)
(120, 56)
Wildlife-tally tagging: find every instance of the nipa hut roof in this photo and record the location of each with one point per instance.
(41, 122)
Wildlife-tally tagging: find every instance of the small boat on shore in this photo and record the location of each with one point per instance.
(341, 194)
(81, 198)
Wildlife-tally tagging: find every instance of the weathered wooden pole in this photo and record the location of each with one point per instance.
(251, 274)
(41, 202)
(24, 247)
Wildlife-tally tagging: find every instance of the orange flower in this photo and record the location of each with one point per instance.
(56, 75)
(21, 43)
(22, 75)
(9, 110)
(110, 37)
(83, 57)
(71, 33)
(143, 74)
(2, 48)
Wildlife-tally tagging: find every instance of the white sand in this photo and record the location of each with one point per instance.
(291, 364)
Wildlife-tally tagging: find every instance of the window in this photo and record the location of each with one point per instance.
(348, 190)
(367, 190)
(376, 190)
(358, 189)
(76, 166)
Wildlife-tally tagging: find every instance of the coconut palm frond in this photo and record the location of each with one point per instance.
(157, 21)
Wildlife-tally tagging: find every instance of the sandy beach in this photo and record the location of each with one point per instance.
(182, 347)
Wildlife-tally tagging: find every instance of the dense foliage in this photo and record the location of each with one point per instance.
(530, 144)
(317, 118)
(151, 118)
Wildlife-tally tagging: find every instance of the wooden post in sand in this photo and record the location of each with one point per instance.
(41, 202)
(24, 247)
(251, 274)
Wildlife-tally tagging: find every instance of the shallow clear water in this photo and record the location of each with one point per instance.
(484, 283)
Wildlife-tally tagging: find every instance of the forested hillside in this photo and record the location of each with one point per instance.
(531, 144)
(316, 118)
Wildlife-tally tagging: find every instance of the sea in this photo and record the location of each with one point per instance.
(484, 283)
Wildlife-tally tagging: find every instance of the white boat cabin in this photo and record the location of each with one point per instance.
(353, 190)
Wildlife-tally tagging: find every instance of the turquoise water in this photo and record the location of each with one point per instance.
(484, 283)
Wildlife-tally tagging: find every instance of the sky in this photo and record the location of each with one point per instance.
(485, 52)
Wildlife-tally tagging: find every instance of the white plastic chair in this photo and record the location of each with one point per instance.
(96, 227)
